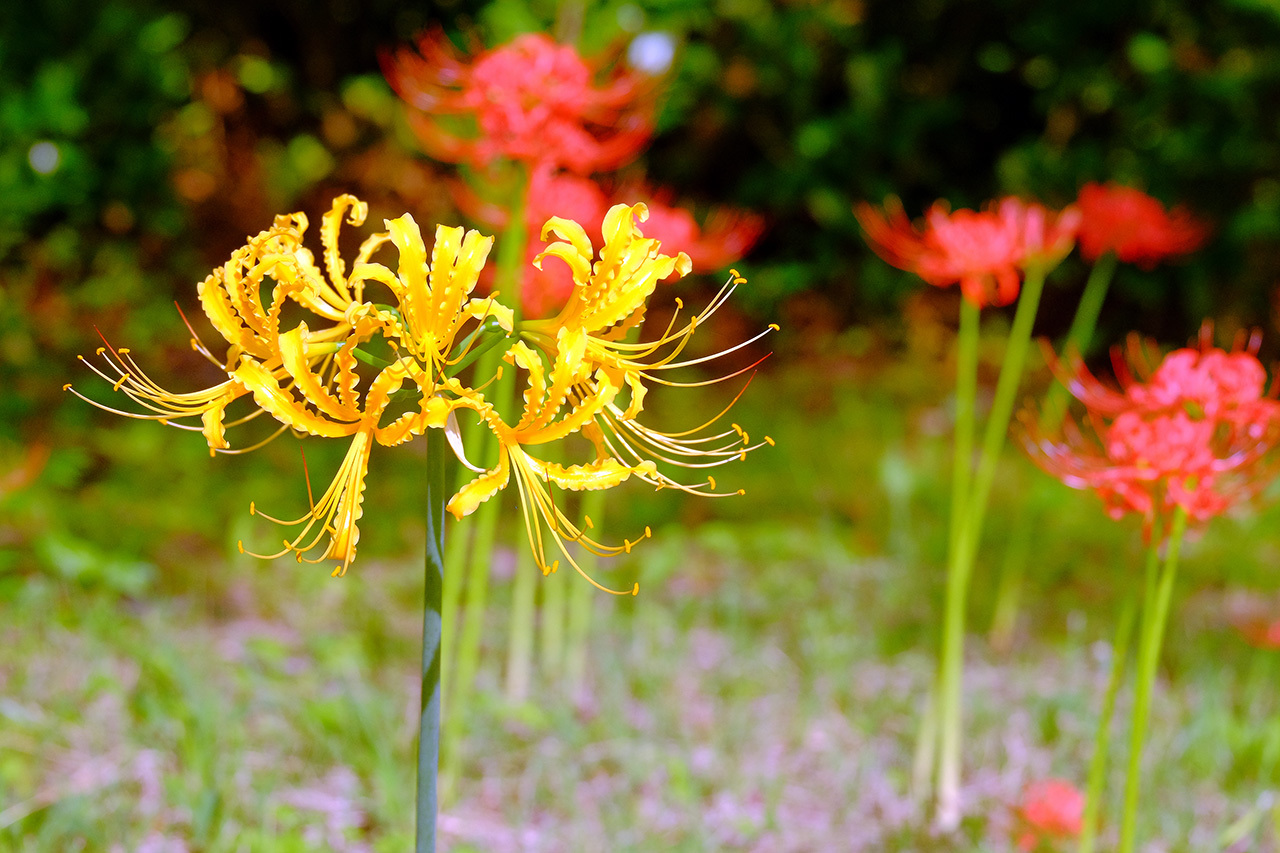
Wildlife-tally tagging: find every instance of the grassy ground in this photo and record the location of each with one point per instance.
(761, 693)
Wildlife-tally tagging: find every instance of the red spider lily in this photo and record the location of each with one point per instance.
(1051, 810)
(1134, 225)
(985, 251)
(532, 100)
(1194, 431)
(1203, 380)
(728, 235)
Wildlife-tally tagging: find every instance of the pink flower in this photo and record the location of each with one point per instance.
(1192, 432)
(726, 237)
(1134, 225)
(531, 100)
(1051, 810)
(986, 251)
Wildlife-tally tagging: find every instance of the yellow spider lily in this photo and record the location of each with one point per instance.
(581, 373)
(590, 365)
(552, 411)
(608, 300)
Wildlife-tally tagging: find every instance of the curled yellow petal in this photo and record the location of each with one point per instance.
(281, 405)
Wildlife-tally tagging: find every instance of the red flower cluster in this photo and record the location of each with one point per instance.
(1051, 810)
(986, 251)
(727, 236)
(1192, 433)
(532, 100)
(1134, 225)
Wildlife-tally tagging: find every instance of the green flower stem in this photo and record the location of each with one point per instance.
(581, 599)
(966, 395)
(960, 564)
(520, 639)
(1154, 616)
(1102, 737)
(1079, 337)
(1080, 334)
(551, 626)
(1009, 592)
(480, 444)
(429, 722)
(961, 476)
(922, 763)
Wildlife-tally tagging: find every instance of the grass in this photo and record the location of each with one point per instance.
(761, 694)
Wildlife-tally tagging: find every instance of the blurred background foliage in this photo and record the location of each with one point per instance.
(141, 141)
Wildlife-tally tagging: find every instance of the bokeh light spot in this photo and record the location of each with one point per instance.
(44, 157)
(652, 52)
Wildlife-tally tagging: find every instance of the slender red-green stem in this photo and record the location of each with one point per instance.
(581, 599)
(429, 721)
(961, 476)
(960, 564)
(1155, 614)
(1102, 736)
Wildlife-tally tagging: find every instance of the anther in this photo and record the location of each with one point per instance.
(769, 441)
(635, 590)
(587, 519)
(240, 545)
(775, 327)
(66, 387)
(626, 545)
(648, 534)
(123, 351)
(741, 492)
(711, 481)
(734, 273)
(252, 509)
(679, 303)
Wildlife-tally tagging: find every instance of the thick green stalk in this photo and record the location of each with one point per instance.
(961, 476)
(1155, 615)
(1102, 737)
(429, 721)
(960, 564)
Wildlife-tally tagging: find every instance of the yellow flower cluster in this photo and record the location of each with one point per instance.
(582, 374)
